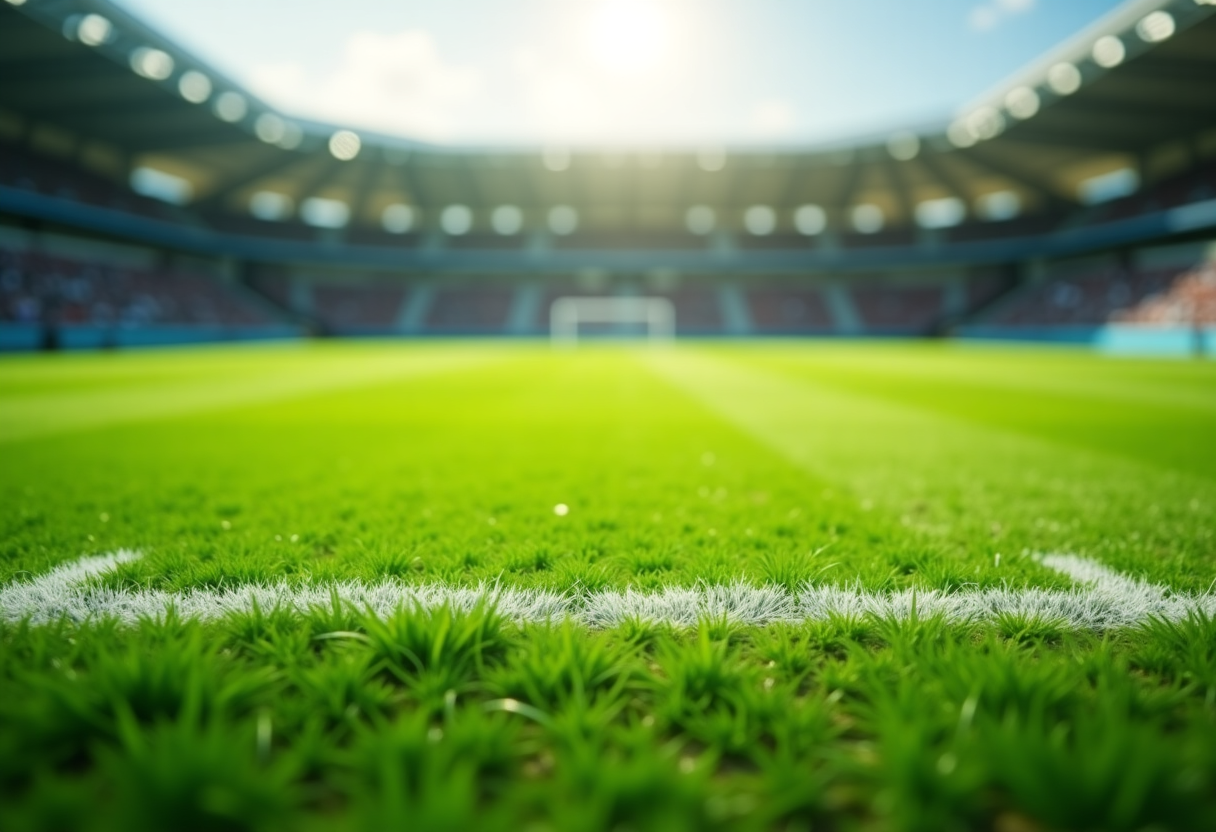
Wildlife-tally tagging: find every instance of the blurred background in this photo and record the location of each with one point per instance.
(183, 172)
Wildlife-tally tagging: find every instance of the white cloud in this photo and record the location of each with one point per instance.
(396, 83)
(772, 119)
(990, 15)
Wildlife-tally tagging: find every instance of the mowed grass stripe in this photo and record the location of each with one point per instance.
(1160, 412)
(454, 477)
(272, 376)
(965, 490)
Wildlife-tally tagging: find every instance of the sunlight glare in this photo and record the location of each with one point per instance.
(628, 37)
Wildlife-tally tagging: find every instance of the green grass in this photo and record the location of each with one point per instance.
(880, 465)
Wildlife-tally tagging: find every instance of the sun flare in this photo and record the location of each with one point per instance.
(628, 37)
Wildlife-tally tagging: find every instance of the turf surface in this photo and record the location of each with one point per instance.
(879, 467)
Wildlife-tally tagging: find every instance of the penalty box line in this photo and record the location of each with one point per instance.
(1103, 599)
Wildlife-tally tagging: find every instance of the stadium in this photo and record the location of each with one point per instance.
(352, 479)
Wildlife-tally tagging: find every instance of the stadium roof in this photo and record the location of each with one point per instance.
(1136, 93)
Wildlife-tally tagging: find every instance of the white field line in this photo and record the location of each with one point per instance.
(1102, 599)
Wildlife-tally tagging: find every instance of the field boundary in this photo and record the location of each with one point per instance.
(1103, 599)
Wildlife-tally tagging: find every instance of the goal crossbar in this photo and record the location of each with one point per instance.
(568, 313)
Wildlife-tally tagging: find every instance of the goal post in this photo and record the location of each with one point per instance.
(567, 314)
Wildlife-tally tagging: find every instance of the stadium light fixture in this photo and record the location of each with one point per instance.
(868, 218)
(700, 220)
(94, 30)
(1064, 79)
(270, 128)
(1109, 52)
(1156, 27)
(345, 145)
(903, 145)
(194, 86)
(158, 184)
(1108, 186)
(563, 220)
(270, 206)
(152, 64)
(760, 220)
(960, 134)
(986, 123)
(940, 213)
(999, 206)
(507, 220)
(1022, 102)
(325, 213)
(711, 159)
(556, 159)
(456, 220)
(292, 136)
(231, 106)
(397, 218)
(810, 220)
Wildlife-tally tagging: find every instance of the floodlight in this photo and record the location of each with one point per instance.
(1105, 187)
(507, 220)
(397, 218)
(270, 206)
(868, 218)
(760, 220)
(292, 136)
(231, 106)
(700, 220)
(158, 184)
(1064, 79)
(940, 213)
(325, 213)
(270, 128)
(986, 123)
(1109, 52)
(999, 206)
(1022, 102)
(810, 220)
(151, 63)
(903, 146)
(456, 220)
(344, 145)
(94, 30)
(15, 2)
(960, 134)
(1156, 27)
(194, 86)
(563, 220)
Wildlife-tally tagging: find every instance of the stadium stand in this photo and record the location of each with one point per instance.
(1050, 229)
(1188, 299)
(790, 309)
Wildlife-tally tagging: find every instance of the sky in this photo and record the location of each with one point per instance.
(640, 72)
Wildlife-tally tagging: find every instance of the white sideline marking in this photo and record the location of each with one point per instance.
(1103, 599)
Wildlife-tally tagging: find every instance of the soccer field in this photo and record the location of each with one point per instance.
(495, 586)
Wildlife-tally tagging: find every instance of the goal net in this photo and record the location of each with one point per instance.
(567, 315)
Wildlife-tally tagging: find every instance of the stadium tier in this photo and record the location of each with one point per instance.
(1027, 216)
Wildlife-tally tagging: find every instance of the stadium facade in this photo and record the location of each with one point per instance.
(145, 198)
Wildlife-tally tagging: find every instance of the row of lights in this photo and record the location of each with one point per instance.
(758, 220)
(197, 88)
(558, 159)
(1063, 79)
